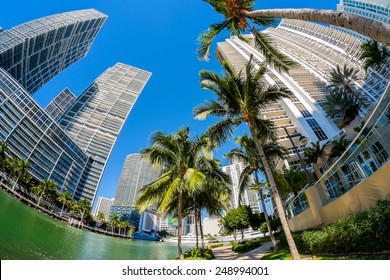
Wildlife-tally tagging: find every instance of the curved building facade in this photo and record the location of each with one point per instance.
(35, 51)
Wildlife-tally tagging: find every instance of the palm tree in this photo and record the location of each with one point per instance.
(43, 189)
(239, 13)
(338, 103)
(100, 218)
(240, 98)
(114, 221)
(179, 156)
(342, 80)
(19, 170)
(3, 153)
(295, 178)
(314, 153)
(64, 198)
(247, 154)
(236, 26)
(214, 194)
(85, 207)
(374, 54)
(339, 146)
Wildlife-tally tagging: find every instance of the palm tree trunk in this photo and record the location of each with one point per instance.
(271, 235)
(196, 224)
(374, 29)
(179, 225)
(62, 209)
(201, 229)
(275, 193)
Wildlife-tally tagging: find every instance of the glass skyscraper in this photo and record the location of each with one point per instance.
(96, 118)
(60, 104)
(35, 51)
(72, 151)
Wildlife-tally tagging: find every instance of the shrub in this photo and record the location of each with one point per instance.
(199, 253)
(216, 245)
(245, 246)
(364, 232)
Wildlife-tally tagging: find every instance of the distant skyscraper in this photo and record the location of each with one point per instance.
(249, 196)
(104, 206)
(35, 51)
(136, 173)
(60, 104)
(96, 118)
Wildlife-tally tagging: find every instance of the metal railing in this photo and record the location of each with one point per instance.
(368, 152)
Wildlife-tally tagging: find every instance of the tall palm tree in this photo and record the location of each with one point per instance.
(315, 152)
(43, 189)
(236, 26)
(19, 170)
(100, 218)
(248, 154)
(339, 146)
(240, 99)
(85, 208)
(295, 178)
(338, 103)
(239, 13)
(374, 54)
(341, 80)
(179, 156)
(3, 153)
(64, 198)
(114, 221)
(214, 194)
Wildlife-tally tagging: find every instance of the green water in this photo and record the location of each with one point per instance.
(28, 235)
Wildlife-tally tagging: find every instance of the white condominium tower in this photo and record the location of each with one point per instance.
(249, 196)
(104, 206)
(318, 49)
(96, 118)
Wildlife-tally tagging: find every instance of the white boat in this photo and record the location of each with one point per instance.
(152, 236)
(189, 238)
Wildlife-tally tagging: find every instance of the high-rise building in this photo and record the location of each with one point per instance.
(98, 115)
(35, 51)
(249, 196)
(33, 136)
(378, 10)
(104, 206)
(60, 104)
(30, 55)
(74, 154)
(318, 49)
(136, 173)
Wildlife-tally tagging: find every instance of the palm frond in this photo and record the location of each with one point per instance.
(210, 107)
(222, 131)
(264, 45)
(206, 39)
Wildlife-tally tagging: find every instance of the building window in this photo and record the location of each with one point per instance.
(317, 129)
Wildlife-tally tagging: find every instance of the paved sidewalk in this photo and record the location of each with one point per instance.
(226, 253)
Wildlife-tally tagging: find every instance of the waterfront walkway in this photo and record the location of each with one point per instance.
(226, 253)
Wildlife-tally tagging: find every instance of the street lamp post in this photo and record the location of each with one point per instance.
(303, 166)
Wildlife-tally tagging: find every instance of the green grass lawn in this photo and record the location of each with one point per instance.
(286, 255)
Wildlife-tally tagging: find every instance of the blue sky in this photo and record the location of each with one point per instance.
(156, 35)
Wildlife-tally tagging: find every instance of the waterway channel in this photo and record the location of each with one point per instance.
(26, 234)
